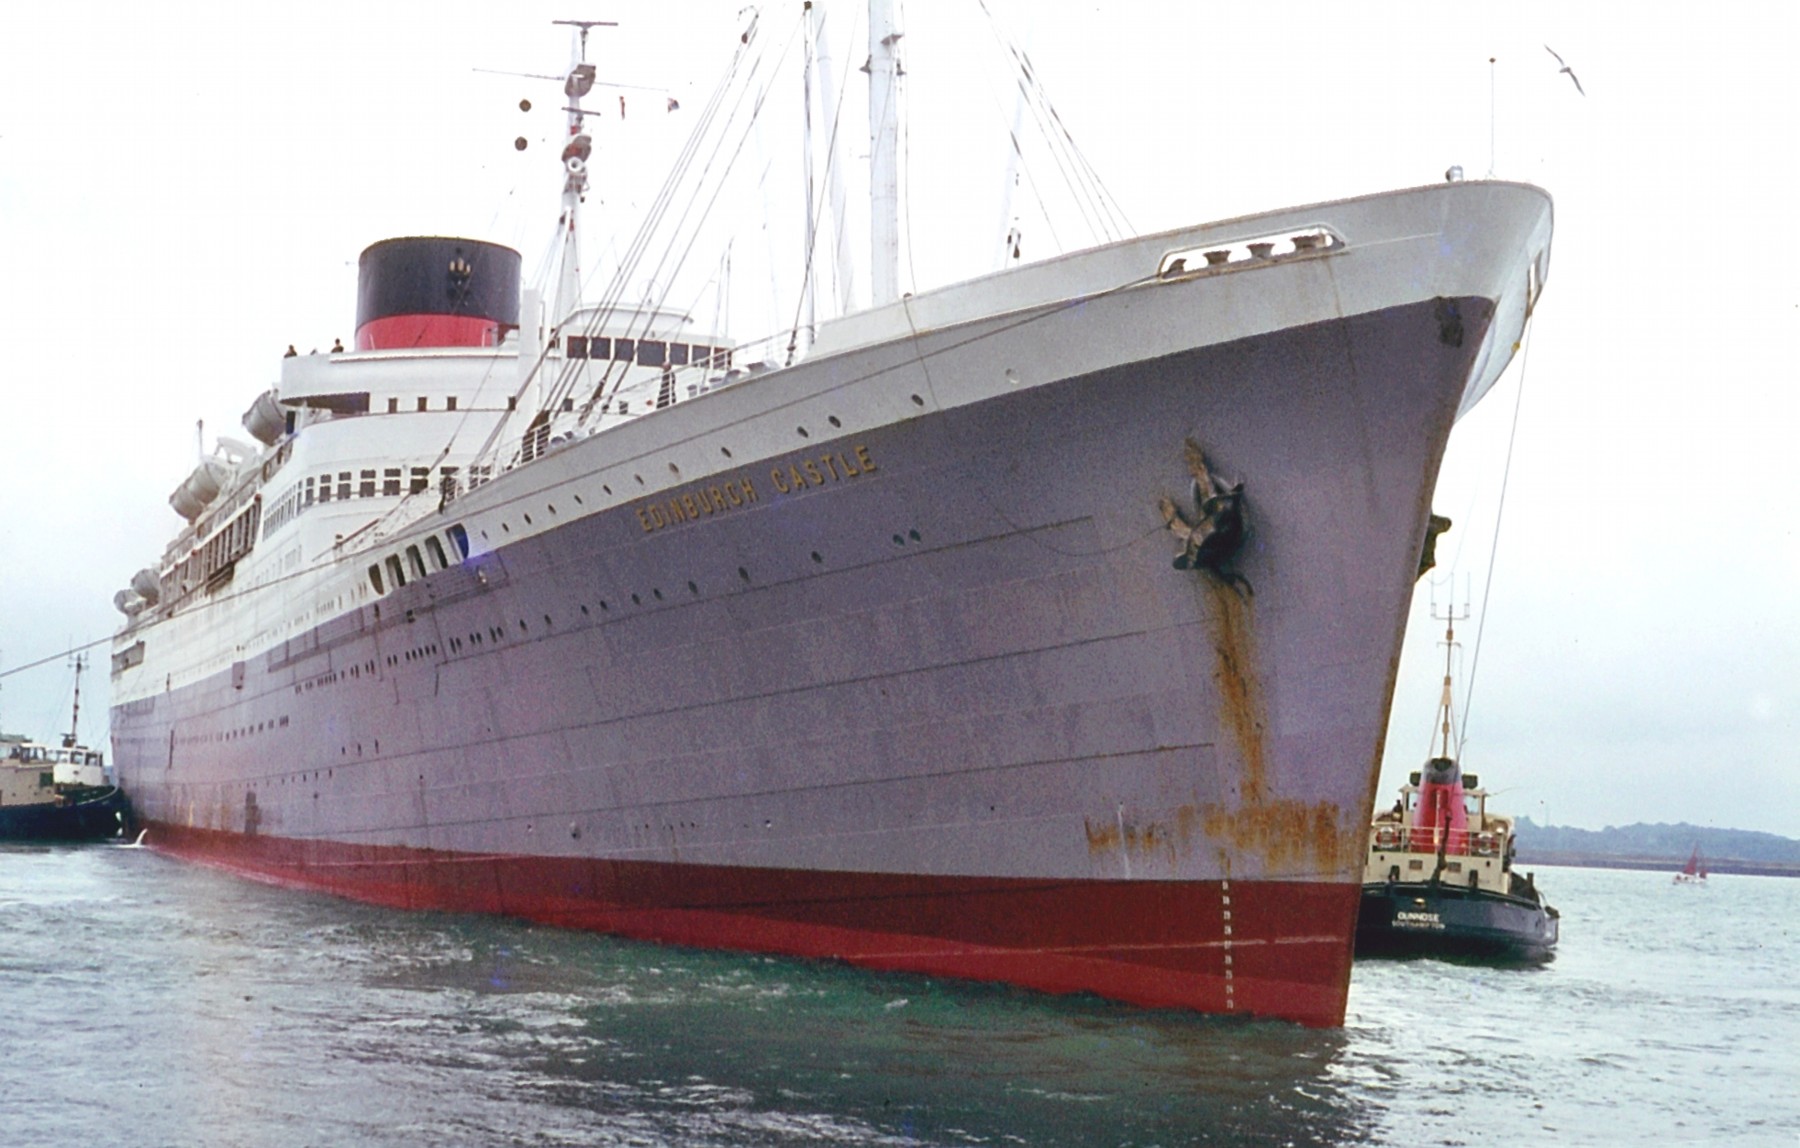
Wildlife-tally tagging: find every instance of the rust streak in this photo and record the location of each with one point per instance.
(1240, 692)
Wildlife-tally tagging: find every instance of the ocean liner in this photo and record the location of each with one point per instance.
(1038, 629)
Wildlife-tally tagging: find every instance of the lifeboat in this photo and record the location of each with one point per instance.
(146, 584)
(265, 420)
(199, 489)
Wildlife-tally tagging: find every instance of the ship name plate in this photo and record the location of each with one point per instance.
(736, 491)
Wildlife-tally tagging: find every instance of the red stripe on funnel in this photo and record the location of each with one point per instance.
(404, 332)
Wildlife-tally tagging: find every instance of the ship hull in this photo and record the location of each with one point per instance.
(1160, 944)
(908, 677)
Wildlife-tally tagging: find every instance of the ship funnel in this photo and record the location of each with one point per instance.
(435, 292)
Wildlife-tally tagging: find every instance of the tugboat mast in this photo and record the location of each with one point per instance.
(1445, 712)
(75, 717)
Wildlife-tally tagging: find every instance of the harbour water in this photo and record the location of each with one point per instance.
(148, 1002)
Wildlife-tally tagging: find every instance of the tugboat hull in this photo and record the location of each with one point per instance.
(1422, 919)
(97, 819)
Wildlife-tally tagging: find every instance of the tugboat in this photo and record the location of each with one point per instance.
(1439, 879)
(59, 793)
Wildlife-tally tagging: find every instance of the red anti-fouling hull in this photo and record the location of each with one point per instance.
(1277, 949)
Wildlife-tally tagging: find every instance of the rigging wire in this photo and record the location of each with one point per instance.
(1494, 550)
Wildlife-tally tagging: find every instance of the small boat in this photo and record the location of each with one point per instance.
(58, 793)
(1694, 872)
(1439, 879)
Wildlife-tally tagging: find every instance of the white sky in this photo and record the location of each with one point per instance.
(185, 188)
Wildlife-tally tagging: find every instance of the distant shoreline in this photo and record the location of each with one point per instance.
(1655, 864)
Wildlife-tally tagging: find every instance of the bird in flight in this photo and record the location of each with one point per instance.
(1566, 70)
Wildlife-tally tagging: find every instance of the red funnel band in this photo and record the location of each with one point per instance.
(407, 332)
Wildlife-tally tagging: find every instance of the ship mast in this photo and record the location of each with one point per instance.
(884, 134)
(577, 147)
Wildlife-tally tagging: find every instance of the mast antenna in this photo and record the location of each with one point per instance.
(1450, 617)
(1492, 162)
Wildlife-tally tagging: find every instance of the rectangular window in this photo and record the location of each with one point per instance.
(390, 482)
(424, 403)
(393, 406)
(578, 347)
(366, 488)
(325, 488)
(309, 493)
(450, 402)
(569, 403)
(599, 347)
(678, 354)
(343, 485)
(624, 351)
(652, 353)
(421, 480)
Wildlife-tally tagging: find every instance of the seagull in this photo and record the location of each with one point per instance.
(1566, 70)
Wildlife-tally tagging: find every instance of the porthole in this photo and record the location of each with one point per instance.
(606, 488)
(636, 601)
(726, 451)
(833, 420)
(528, 520)
(693, 589)
(657, 593)
(801, 431)
(914, 535)
(817, 557)
(578, 501)
(743, 573)
(673, 469)
(917, 401)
